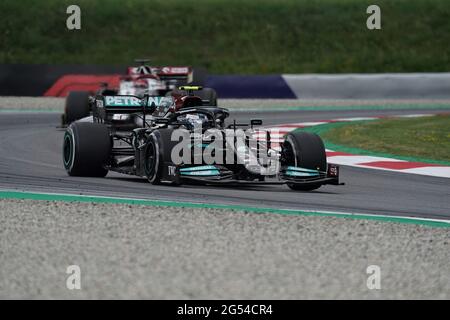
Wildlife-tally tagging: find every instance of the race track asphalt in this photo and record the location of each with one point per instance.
(148, 252)
(30, 159)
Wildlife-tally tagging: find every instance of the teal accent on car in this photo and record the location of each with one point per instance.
(301, 174)
(202, 145)
(136, 102)
(200, 171)
(199, 168)
(123, 101)
(302, 169)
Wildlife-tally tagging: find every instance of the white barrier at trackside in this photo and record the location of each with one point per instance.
(370, 86)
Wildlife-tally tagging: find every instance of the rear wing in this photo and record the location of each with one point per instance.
(134, 104)
(180, 74)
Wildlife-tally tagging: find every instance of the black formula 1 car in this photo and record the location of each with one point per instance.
(181, 140)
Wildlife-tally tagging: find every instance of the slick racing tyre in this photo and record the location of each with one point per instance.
(152, 163)
(305, 150)
(208, 94)
(77, 106)
(157, 153)
(86, 149)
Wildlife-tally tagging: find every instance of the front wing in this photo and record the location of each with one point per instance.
(219, 175)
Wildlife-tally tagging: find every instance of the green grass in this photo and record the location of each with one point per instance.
(425, 138)
(231, 36)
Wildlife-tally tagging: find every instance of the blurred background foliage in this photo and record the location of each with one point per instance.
(231, 36)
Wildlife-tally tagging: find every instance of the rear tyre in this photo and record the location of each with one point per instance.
(199, 76)
(208, 94)
(305, 150)
(77, 106)
(86, 149)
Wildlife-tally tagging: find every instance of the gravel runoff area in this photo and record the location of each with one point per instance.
(126, 251)
(57, 104)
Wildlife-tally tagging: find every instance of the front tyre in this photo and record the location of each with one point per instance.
(304, 150)
(158, 155)
(152, 164)
(86, 149)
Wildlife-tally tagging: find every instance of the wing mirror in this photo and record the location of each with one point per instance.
(255, 122)
(164, 121)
